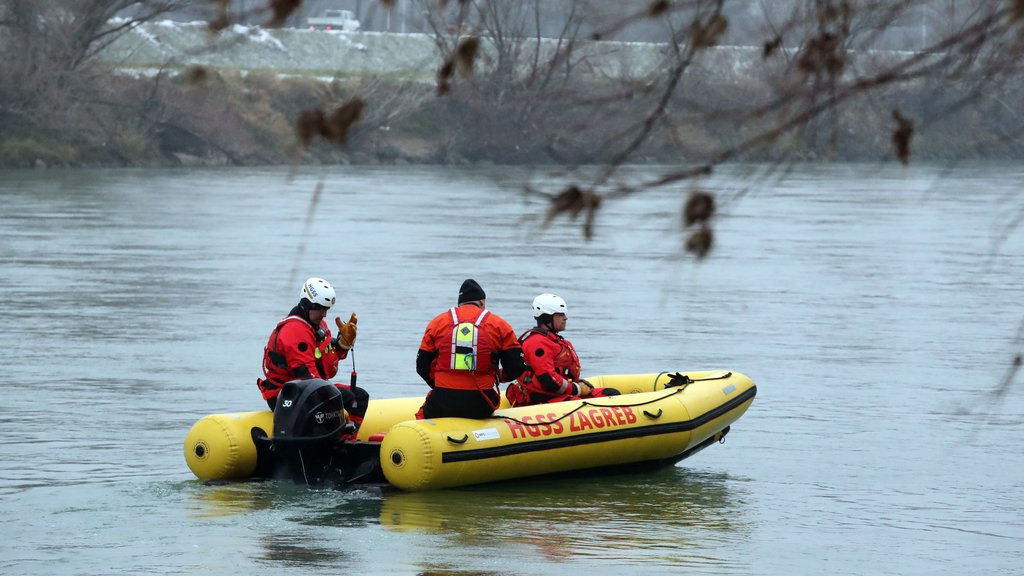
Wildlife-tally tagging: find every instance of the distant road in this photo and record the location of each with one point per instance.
(339, 54)
(332, 54)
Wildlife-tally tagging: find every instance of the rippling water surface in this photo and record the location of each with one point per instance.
(877, 308)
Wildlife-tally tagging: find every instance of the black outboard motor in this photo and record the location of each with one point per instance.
(309, 419)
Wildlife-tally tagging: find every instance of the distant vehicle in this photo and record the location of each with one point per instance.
(342, 20)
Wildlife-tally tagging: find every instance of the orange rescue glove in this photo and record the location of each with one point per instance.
(346, 332)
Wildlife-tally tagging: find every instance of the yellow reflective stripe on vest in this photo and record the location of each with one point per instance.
(464, 342)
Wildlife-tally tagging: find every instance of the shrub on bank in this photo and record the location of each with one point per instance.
(35, 152)
(228, 117)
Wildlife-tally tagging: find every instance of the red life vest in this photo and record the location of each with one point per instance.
(465, 351)
(566, 362)
(545, 352)
(294, 351)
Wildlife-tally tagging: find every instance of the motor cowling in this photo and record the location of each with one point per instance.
(309, 422)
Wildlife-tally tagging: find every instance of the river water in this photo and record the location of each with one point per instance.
(877, 308)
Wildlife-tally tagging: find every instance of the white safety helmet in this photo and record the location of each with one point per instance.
(548, 304)
(318, 291)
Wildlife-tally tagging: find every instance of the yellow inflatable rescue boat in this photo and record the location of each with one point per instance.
(659, 418)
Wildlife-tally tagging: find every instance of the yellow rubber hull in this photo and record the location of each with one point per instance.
(662, 425)
(648, 422)
(221, 446)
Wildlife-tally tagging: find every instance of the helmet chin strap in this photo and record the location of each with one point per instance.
(550, 324)
(306, 306)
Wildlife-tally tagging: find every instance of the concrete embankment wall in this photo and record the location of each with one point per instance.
(301, 51)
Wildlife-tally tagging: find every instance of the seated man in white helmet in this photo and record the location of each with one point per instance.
(301, 347)
(553, 368)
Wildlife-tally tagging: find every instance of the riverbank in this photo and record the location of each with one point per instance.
(174, 94)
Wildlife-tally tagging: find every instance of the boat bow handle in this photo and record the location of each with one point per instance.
(459, 440)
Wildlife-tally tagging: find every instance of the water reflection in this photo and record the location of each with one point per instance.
(229, 499)
(661, 516)
(670, 517)
(301, 551)
(444, 572)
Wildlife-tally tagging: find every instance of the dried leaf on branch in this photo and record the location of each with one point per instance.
(699, 243)
(700, 207)
(902, 136)
(333, 127)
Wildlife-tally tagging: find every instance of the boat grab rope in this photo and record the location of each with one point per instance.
(680, 379)
(677, 381)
